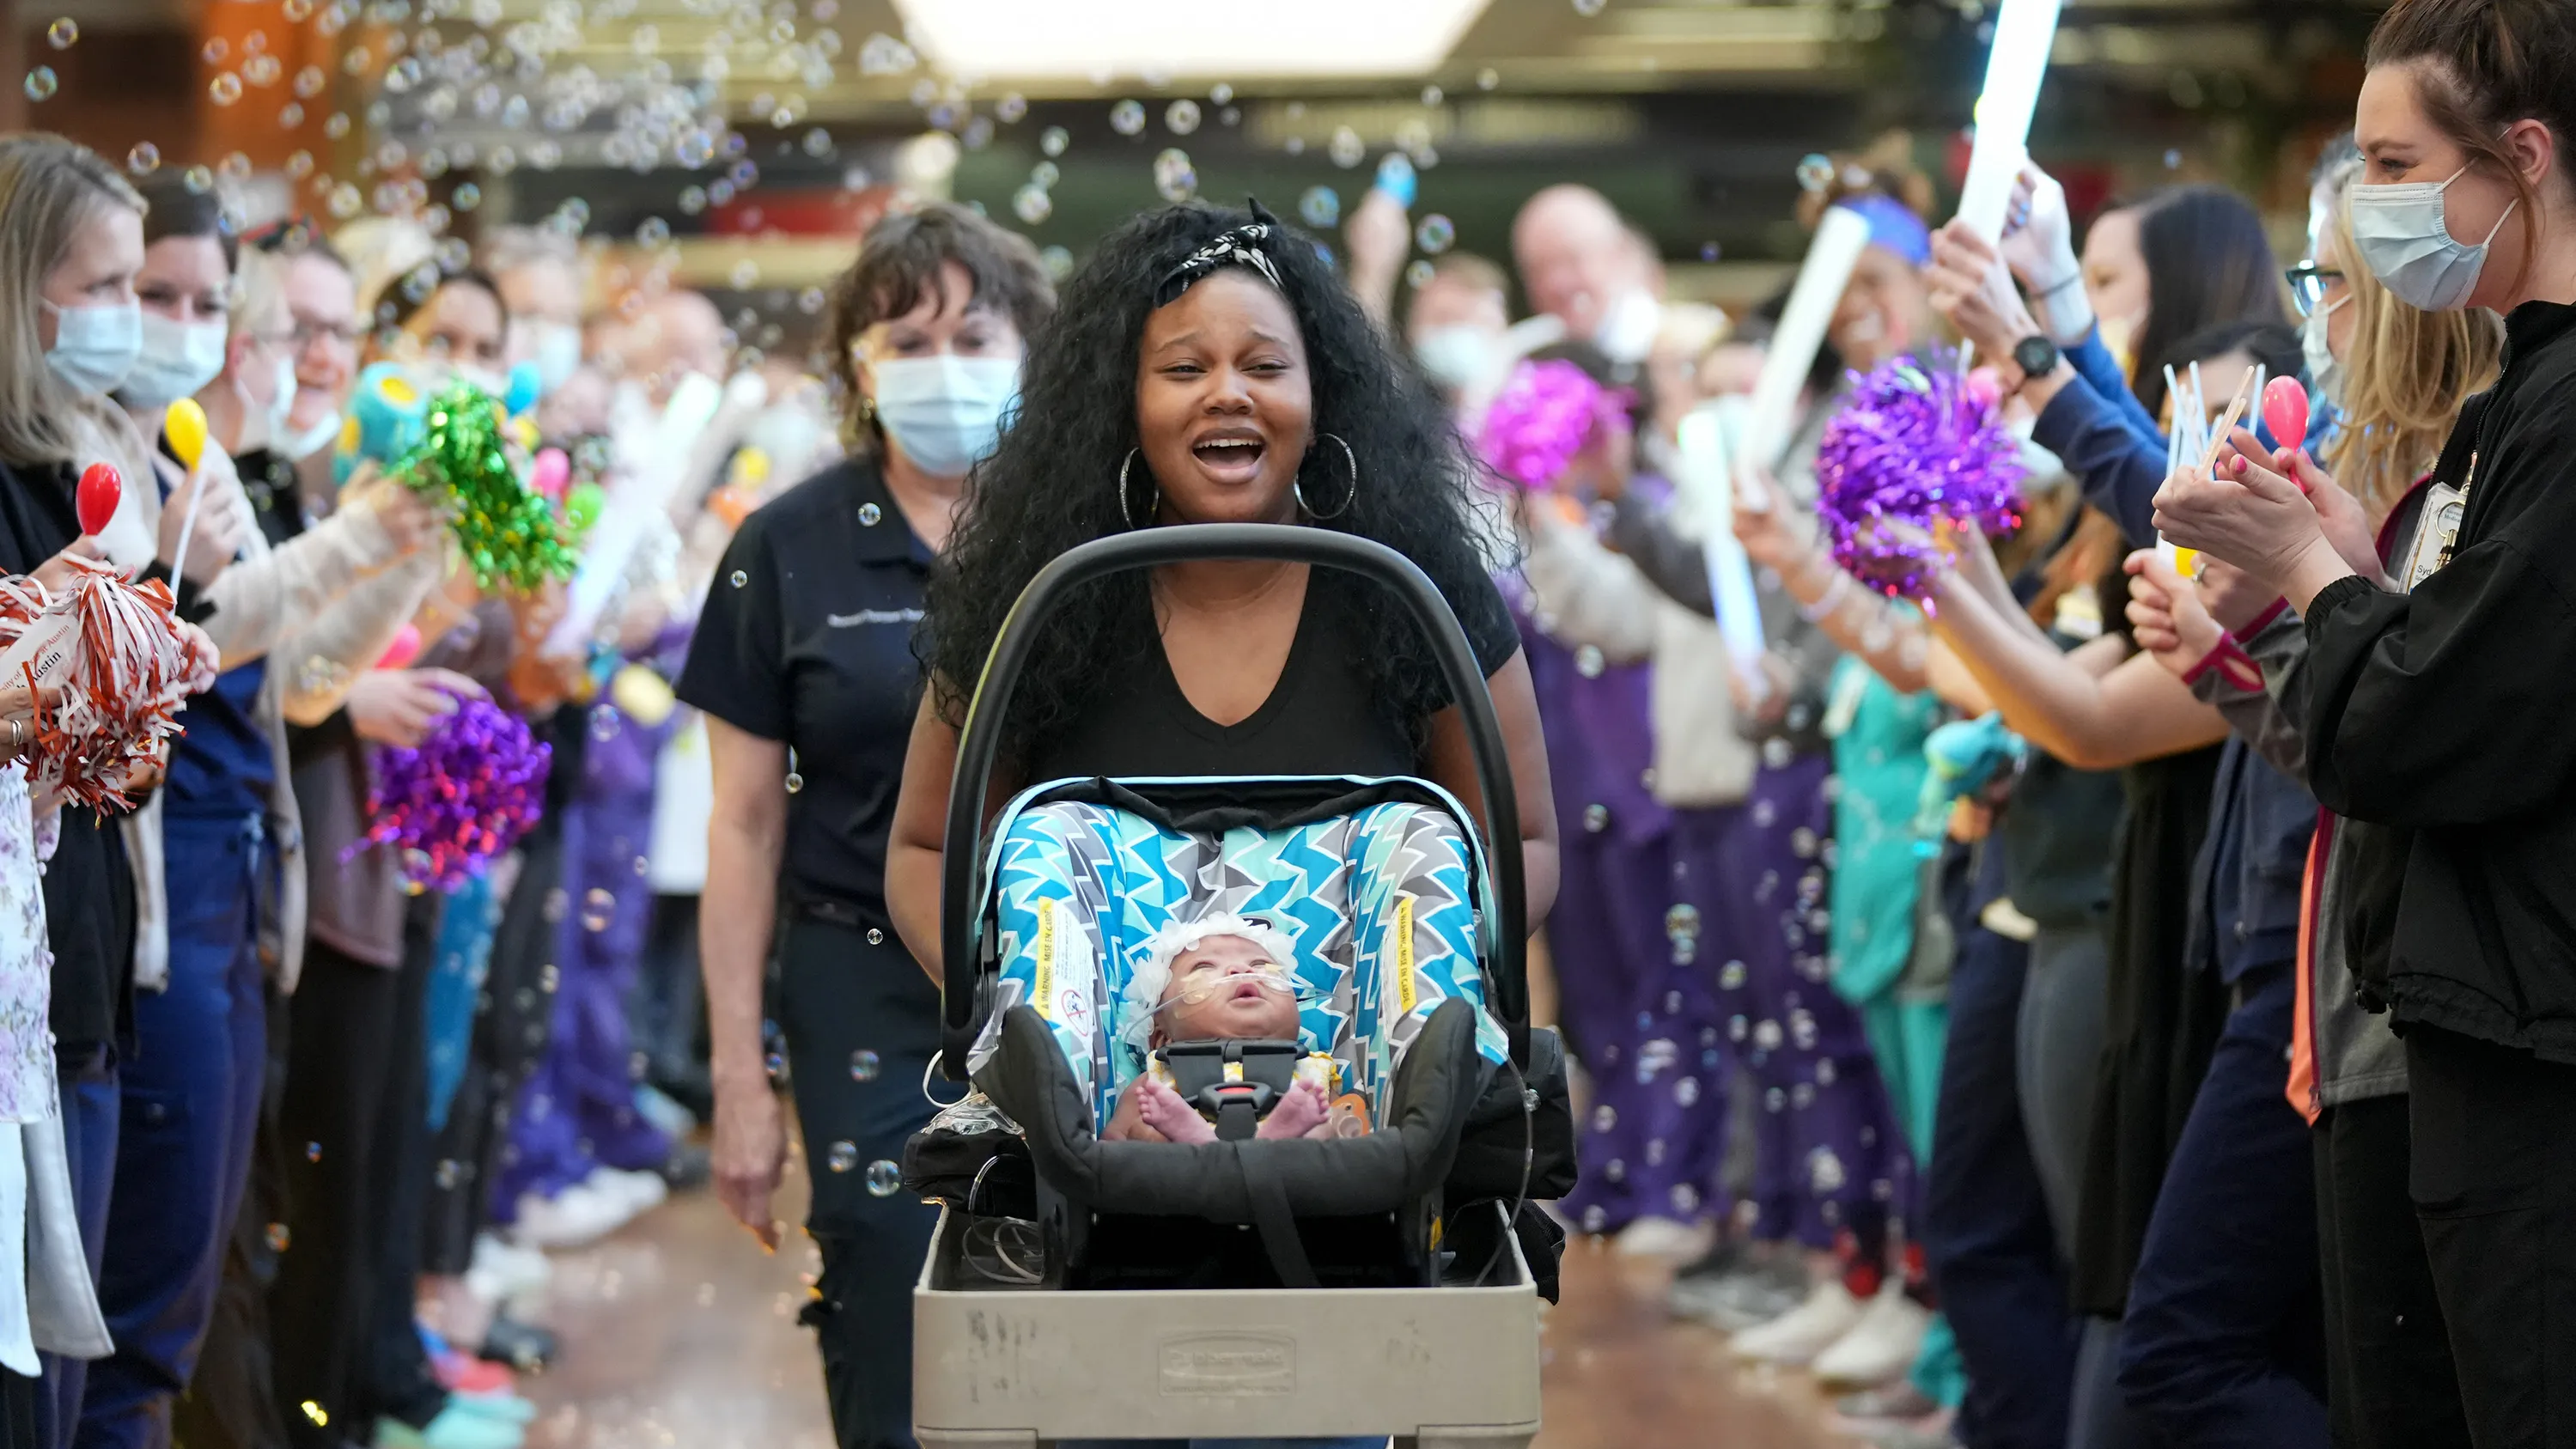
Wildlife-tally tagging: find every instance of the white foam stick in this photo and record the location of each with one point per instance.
(2024, 32)
(1840, 238)
(1706, 480)
(651, 478)
(196, 485)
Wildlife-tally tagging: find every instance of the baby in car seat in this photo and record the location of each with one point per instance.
(1218, 979)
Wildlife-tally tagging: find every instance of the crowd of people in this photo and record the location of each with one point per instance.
(2113, 993)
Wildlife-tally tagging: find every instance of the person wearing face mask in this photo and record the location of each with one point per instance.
(217, 850)
(803, 666)
(1589, 275)
(1455, 325)
(541, 284)
(2434, 678)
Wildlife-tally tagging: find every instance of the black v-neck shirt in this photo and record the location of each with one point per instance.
(1318, 720)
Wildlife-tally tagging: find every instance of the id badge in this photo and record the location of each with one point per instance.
(2436, 534)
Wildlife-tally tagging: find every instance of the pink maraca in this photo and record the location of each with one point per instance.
(2285, 412)
(404, 649)
(550, 473)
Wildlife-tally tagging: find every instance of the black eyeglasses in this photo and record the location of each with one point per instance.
(2308, 284)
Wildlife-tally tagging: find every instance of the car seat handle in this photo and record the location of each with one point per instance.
(979, 744)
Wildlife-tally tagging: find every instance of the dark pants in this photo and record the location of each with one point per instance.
(91, 1114)
(191, 1098)
(339, 1064)
(397, 1379)
(2390, 1383)
(1985, 1231)
(668, 1008)
(2493, 1175)
(232, 1403)
(840, 994)
(2222, 1341)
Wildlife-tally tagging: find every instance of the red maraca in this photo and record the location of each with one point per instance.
(100, 489)
(2285, 412)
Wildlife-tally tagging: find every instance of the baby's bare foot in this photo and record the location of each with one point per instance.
(1297, 1114)
(1166, 1113)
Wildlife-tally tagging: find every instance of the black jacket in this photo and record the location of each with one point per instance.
(2449, 715)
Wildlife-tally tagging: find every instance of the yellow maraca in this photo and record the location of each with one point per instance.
(185, 426)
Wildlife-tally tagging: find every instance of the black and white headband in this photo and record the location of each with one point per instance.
(1239, 246)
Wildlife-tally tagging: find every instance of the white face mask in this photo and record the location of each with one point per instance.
(1456, 356)
(945, 412)
(1627, 330)
(177, 360)
(95, 347)
(557, 353)
(2406, 242)
(300, 446)
(2323, 369)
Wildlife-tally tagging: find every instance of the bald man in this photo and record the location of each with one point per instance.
(1585, 267)
(673, 335)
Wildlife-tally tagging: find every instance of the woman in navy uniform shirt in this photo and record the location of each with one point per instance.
(803, 663)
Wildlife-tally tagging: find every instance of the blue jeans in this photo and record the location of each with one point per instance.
(2223, 1343)
(190, 1111)
(89, 1149)
(1986, 1234)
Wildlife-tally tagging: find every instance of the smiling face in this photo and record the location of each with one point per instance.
(1225, 989)
(1225, 404)
(1882, 312)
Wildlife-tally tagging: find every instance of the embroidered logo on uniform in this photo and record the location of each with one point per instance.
(873, 616)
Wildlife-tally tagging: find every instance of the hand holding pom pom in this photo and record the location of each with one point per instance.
(1541, 419)
(1915, 446)
(473, 786)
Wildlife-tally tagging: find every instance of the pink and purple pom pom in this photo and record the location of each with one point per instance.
(466, 794)
(1541, 419)
(1914, 445)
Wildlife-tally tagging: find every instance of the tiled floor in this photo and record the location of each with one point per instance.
(680, 1334)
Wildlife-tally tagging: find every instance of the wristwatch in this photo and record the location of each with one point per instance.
(2036, 356)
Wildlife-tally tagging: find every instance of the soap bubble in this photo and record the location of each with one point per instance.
(842, 1157)
(1182, 116)
(1433, 95)
(818, 143)
(693, 199)
(310, 81)
(1011, 109)
(235, 167)
(1588, 8)
(1320, 206)
(884, 1178)
(1045, 173)
(1032, 204)
(337, 126)
(41, 83)
(466, 196)
(299, 165)
(1418, 275)
(262, 70)
(1346, 148)
(346, 202)
(290, 115)
(198, 179)
(297, 11)
(1127, 118)
(63, 34)
(215, 50)
(1053, 140)
(864, 1066)
(224, 89)
(744, 274)
(1174, 177)
(144, 159)
(1058, 262)
(1488, 78)
(653, 232)
(1815, 173)
(1436, 234)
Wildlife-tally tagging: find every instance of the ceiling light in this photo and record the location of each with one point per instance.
(1008, 39)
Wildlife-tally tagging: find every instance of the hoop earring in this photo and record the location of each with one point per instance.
(1297, 487)
(1124, 511)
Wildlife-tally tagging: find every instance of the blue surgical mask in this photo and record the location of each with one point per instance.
(95, 347)
(2323, 369)
(2407, 243)
(945, 412)
(557, 353)
(177, 360)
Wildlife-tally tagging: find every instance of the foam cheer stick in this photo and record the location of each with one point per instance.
(2285, 412)
(185, 426)
(101, 489)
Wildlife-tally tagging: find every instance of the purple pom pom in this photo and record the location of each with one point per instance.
(1914, 445)
(1541, 419)
(470, 790)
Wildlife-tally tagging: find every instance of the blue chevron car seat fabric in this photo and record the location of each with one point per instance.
(1380, 904)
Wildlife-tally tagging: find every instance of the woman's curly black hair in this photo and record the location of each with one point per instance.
(1053, 484)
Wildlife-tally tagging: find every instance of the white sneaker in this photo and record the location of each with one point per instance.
(502, 1271)
(1795, 1338)
(641, 1191)
(573, 1218)
(1665, 1238)
(1882, 1346)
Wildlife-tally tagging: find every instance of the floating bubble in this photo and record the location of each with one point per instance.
(41, 83)
(1054, 139)
(215, 50)
(694, 149)
(1045, 173)
(1433, 95)
(235, 167)
(1436, 234)
(262, 70)
(882, 54)
(693, 199)
(1032, 204)
(1815, 173)
(1294, 146)
(653, 233)
(279, 1238)
(1488, 78)
(1174, 177)
(811, 301)
(1320, 206)
(1418, 276)
(1057, 261)
(290, 115)
(144, 159)
(310, 81)
(1231, 115)
(1182, 116)
(1011, 109)
(2173, 160)
(826, 11)
(466, 196)
(818, 143)
(1588, 8)
(1127, 118)
(884, 1178)
(337, 125)
(864, 1066)
(296, 11)
(502, 161)
(198, 179)
(1221, 93)
(978, 133)
(842, 1156)
(63, 34)
(1346, 148)
(744, 274)
(299, 165)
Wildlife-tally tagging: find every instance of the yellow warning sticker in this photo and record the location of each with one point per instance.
(1045, 1001)
(1405, 992)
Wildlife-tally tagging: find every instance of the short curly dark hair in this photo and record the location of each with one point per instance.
(899, 263)
(1053, 484)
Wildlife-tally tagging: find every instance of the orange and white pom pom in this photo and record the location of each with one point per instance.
(110, 664)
